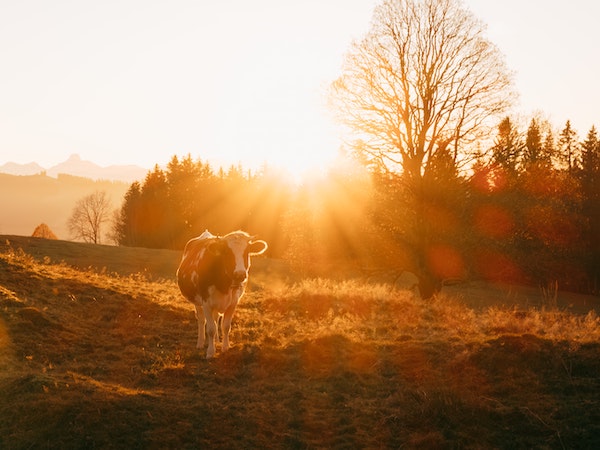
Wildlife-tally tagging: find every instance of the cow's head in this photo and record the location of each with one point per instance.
(235, 250)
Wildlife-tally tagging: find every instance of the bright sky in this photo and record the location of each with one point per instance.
(137, 81)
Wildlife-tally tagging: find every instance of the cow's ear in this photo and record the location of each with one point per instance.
(257, 247)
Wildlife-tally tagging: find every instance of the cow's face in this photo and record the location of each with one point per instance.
(240, 246)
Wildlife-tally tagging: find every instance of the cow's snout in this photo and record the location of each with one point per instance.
(239, 276)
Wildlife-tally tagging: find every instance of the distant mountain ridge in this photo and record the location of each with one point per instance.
(76, 166)
(12, 168)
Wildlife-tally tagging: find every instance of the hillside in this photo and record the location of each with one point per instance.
(104, 357)
(27, 201)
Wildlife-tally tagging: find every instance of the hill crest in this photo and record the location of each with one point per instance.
(76, 166)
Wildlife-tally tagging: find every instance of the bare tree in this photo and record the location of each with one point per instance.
(88, 216)
(424, 77)
(421, 87)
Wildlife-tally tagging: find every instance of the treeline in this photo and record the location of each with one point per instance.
(175, 204)
(536, 207)
(528, 211)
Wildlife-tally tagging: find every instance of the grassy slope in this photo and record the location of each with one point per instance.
(105, 358)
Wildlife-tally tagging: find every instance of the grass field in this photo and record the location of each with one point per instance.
(97, 351)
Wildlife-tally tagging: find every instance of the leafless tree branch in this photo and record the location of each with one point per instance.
(88, 216)
(423, 78)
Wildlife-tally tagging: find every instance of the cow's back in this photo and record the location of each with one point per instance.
(195, 267)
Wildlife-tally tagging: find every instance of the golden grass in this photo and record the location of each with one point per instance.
(106, 358)
(376, 312)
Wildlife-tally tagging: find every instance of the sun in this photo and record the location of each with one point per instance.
(300, 169)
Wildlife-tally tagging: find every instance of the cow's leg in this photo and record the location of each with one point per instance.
(201, 323)
(216, 319)
(211, 331)
(226, 327)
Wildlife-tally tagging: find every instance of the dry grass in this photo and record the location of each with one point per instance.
(106, 359)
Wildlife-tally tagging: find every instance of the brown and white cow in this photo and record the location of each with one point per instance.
(213, 274)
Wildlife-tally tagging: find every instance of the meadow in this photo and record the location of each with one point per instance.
(97, 350)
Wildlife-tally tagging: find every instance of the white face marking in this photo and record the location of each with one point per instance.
(238, 247)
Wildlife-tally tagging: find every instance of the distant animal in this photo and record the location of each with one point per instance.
(212, 275)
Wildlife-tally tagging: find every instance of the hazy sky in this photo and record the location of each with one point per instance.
(134, 82)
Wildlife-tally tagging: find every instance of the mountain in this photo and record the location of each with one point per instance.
(76, 166)
(21, 169)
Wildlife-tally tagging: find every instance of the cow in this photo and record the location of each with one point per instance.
(212, 275)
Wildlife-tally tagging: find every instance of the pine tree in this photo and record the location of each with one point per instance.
(533, 144)
(183, 177)
(128, 220)
(155, 223)
(589, 176)
(508, 146)
(590, 155)
(568, 148)
(548, 147)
